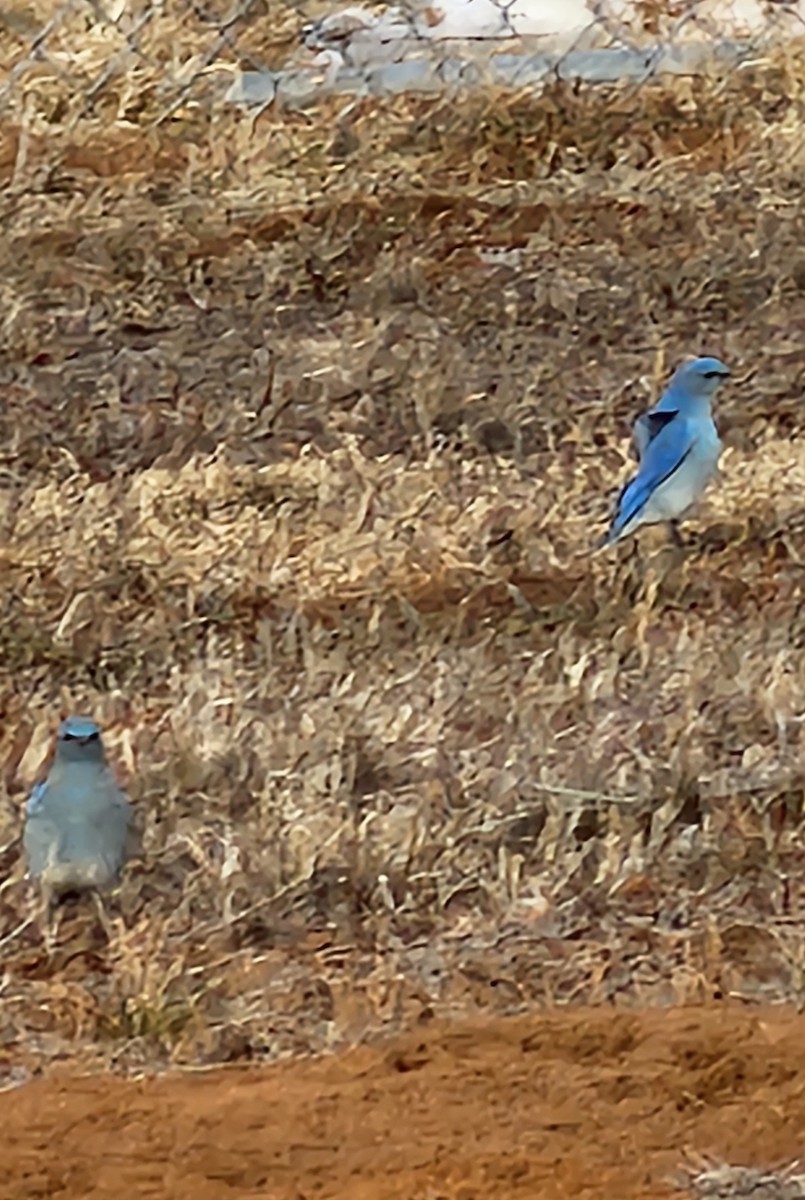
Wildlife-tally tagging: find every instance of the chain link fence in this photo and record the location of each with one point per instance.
(88, 54)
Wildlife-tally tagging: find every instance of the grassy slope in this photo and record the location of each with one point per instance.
(309, 424)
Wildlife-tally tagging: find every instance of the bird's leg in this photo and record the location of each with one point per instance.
(103, 916)
(48, 926)
(631, 570)
(676, 536)
(52, 932)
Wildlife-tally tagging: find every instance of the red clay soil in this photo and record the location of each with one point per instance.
(578, 1104)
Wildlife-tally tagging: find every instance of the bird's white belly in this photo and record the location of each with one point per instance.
(679, 493)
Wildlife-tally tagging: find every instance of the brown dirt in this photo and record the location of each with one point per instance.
(581, 1104)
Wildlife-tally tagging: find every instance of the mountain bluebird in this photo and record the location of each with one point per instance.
(677, 447)
(77, 820)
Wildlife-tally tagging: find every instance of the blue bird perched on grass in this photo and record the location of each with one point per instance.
(678, 448)
(77, 822)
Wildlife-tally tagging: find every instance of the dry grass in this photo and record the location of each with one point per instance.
(309, 424)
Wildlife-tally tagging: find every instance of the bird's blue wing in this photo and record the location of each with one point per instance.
(35, 798)
(663, 457)
(647, 427)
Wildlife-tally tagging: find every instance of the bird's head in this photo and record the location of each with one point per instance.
(79, 740)
(701, 376)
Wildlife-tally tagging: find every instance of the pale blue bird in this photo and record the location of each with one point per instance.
(77, 822)
(677, 447)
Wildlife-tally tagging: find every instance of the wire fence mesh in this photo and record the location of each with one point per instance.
(123, 53)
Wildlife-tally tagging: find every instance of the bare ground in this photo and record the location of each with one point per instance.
(575, 1104)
